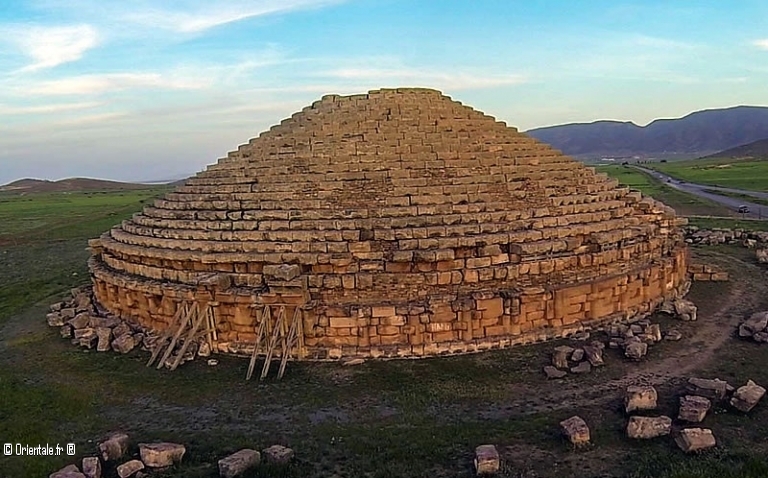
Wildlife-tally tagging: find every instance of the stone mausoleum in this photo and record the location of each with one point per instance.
(396, 223)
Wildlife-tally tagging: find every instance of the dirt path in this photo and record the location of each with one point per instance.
(717, 320)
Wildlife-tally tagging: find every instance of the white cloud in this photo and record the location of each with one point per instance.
(661, 43)
(762, 43)
(214, 14)
(50, 46)
(413, 77)
(109, 82)
(50, 108)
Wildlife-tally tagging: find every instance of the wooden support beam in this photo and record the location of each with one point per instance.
(189, 310)
(197, 321)
(266, 316)
(167, 333)
(273, 341)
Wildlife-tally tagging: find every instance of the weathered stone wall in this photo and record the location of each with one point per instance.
(442, 323)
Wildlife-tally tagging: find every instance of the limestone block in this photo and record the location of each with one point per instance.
(114, 447)
(648, 427)
(576, 430)
(69, 471)
(560, 356)
(278, 454)
(746, 397)
(486, 460)
(714, 389)
(129, 468)
(159, 455)
(693, 408)
(639, 397)
(92, 467)
(695, 439)
(238, 463)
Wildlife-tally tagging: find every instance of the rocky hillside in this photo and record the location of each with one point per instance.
(756, 149)
(697, 134)
(73, 184)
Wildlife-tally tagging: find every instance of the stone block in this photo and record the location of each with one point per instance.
(693, 408)
(691, 440)
(278, 454)
(114, 447)
(238, 463)
(746, 397)
(576, 430)
(638, 397)
(486, 460)
(160, 455)
(648, 427)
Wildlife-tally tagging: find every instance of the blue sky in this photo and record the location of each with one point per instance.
(142, 90)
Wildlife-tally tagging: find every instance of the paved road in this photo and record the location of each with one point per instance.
(756, 211)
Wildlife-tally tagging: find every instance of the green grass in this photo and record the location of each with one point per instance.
(683, 203)
(404, 419)
(67, 215)
(751, 175)
(712, 223)
(743, 197)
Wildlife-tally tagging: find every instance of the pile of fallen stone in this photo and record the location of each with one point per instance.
(695, 235)
(757, 240)
(157, 457)
(755, 327)
(84, 324)
(633, 339)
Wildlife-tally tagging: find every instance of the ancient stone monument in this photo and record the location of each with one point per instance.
(396, 223)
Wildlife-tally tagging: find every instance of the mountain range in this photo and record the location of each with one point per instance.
(698, 134)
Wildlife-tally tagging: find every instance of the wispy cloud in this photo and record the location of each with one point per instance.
(50, 46)
(49, 108)
(762, 43)
(661, 43)
(214, 14)
(110, 82)
(451, 81)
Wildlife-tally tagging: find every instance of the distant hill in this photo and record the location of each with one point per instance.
(64, 185)
(699, 133)
(756, 149)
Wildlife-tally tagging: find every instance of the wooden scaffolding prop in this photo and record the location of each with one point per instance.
(192, 321)
(277, 334)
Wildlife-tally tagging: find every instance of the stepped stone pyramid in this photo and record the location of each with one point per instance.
(394, 223)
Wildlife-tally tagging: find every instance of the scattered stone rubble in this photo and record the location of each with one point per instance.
(755, 327)
(694, 407)
(86, 325)
(633, 339)
(160, 456)
(711, 237)
(757, 240)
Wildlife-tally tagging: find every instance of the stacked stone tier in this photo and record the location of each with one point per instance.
(397, 198)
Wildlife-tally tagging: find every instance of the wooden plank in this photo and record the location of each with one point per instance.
(288, 343)
(166, 334)
(266, 316)
(189, 311)
(273, 341)
(199, 319)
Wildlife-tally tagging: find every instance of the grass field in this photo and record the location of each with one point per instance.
(379, 420)
(751, 175)
(684, 204)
